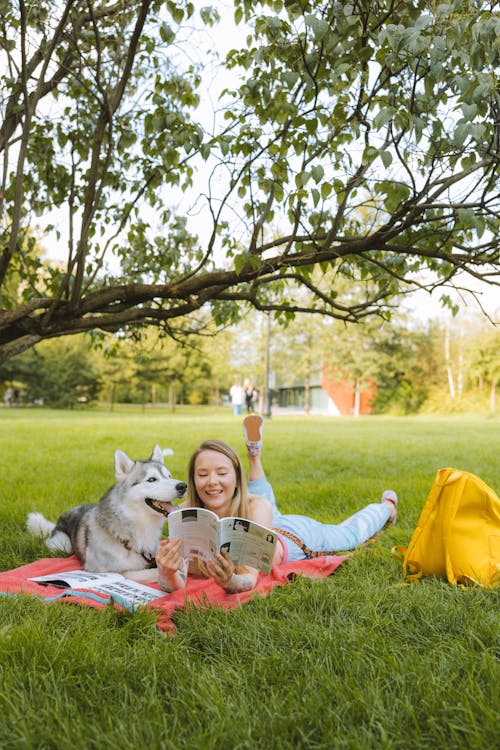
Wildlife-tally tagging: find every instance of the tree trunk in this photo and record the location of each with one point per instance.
(357, 399)
(112, 392)
(493, 394)
(451, 383)
(460, 374)
(171, 396)
(267, 390)
(307, 388)
(216, 396)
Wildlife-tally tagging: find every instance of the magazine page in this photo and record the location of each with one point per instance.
(76, 579)
(197, 527)
(248, 543)
(113, 584)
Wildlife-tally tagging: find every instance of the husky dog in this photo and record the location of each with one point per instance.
(122, 532)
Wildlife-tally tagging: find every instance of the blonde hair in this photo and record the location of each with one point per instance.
(240, 505)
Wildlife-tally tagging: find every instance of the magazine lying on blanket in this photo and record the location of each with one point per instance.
(204, 534)
(113, 584)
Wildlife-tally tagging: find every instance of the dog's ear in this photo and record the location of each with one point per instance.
(157, 454)
(123, 466)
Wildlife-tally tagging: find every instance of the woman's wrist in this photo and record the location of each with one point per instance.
(239, 582)
(169, 580)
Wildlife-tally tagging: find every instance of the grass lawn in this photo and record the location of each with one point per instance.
(354, 661)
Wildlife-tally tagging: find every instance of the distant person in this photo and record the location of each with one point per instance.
(8, 398)
(255, 398)
(237, 395)
(249, 397)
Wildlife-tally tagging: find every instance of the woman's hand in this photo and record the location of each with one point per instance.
(172, 566)
(221, 570)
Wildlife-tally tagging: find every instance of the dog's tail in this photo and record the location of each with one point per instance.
(57, 541)
(38, 525)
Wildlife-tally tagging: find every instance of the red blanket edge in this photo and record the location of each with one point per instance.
(199, 591)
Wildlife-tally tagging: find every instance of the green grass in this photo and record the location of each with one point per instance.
(355, 661)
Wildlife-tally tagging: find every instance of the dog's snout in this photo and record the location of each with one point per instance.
(181, 488)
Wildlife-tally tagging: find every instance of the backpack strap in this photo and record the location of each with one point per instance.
(413, 570)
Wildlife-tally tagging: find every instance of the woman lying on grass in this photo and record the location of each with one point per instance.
(216, 481)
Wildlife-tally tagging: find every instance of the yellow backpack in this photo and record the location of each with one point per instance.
(458, 533)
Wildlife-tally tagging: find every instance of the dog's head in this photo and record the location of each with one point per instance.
(148, 481)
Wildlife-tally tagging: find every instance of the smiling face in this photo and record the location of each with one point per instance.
(215, 481)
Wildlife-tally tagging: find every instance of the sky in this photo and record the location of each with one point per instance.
(425, 306)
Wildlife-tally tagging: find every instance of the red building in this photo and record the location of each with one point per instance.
(344, 399)
(327, 395)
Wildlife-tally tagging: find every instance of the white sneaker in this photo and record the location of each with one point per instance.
(391, 496)
(252, 431)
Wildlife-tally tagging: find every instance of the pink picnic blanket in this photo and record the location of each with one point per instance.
(199, 591)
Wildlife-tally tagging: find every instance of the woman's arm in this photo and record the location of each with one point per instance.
(172, 567)
(262, 512)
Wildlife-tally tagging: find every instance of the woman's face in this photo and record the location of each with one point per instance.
(215, 481)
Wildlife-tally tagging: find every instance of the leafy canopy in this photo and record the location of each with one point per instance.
(357, 142)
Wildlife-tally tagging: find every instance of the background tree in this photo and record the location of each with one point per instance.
(491, 362)
(338, 106)
(156, 370)
(61, 374)
(473, 358)
(407, 365)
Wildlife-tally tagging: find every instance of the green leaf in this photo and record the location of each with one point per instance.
(176, 11)
(291, 78)
(469, 111)
(167, 34)
(320, 27)
(240, 262)
(317, 173)
(386, 157)
(369, 154)
(460, 134)
(383, 117)
(326, 189)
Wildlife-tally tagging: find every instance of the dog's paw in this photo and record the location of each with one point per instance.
(59, 542)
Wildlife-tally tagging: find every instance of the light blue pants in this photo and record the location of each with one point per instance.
(323, 537)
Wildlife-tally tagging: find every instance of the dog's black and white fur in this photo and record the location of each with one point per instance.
(122, 532)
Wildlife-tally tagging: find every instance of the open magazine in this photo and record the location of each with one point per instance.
(113, 584)
(204, 534)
